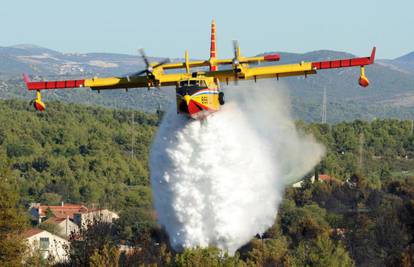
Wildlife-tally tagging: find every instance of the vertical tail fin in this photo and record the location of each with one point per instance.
(213, 46)
(26, 78)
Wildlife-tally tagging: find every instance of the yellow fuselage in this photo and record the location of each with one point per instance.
(198, 97)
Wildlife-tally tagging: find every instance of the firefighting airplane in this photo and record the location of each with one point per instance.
(198, 93)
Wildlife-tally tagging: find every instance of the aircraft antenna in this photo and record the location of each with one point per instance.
(324, 104)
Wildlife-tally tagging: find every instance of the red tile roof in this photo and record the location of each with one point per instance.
(31, 232)
(54, 220)
(327, 178)
(324, 177)
(63, 211)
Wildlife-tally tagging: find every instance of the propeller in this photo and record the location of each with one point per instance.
(149, 68)
(236, 61)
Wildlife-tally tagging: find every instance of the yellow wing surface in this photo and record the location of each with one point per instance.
(239, 68)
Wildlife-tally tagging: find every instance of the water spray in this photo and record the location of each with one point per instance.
(219, 182)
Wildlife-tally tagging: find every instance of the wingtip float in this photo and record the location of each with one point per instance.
(198, 93)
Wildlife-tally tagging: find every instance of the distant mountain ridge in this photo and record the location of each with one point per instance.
(404, 63)
(407, 57)
(391, 92)
(46, 62)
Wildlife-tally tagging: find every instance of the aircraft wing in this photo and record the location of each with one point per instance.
(94, 83)
(245, 72)
(216, 62)
(278, 71)
(105, 83)
(240, 71)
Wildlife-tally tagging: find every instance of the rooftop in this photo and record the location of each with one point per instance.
(54, 220)
(31, 232)
(62, 211)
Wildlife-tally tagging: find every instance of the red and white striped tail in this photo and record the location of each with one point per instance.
(213, 45)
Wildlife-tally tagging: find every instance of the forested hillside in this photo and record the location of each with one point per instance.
(364, 215)
(78, 154)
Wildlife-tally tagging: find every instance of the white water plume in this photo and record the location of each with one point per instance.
(219, 182)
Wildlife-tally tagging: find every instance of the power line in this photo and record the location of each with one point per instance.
(361, 149)
(132, 135)
(324, 103)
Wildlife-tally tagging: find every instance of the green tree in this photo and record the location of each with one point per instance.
(94, 236)
(12, 224)
(321, 252)
(108, 256)
(206, 257)
(269, 252)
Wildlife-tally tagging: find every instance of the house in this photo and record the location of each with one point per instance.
(63, 226)
(49, 245)
(77, 213)
(300, 183)
(328, 179)
(84, 218)
(38, 212)
(321, 177)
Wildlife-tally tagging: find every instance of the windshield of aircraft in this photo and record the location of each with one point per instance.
(189, 87)
(193, 83)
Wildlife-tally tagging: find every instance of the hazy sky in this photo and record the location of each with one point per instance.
(167, 28)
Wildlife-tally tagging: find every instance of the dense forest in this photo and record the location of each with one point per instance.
(363, 216)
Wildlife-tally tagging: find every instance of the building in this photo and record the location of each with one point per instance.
(77, 213)
(39, 212)
(329, 179)
(84, 218)
(64, 226)
(49, 245)
(300, 183)
(322, 178)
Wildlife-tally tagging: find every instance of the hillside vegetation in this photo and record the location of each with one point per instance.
(77, 154)
(73, 153)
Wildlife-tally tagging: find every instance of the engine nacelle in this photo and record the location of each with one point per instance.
(363, 80)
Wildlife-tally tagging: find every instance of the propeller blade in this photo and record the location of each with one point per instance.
(139, 73)
(162, 63)
(235, 48)
(236, 61)
(144, 57)
(236, 78)
(149, 68)
(147, 71)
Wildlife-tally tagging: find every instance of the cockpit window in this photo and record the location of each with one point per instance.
(183, 83)
(194, 82)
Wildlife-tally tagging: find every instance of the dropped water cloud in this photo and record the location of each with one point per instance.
(219, 182)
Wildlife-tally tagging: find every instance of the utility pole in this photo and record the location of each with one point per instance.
(132, 134)
(361, 149)
(324, 103)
